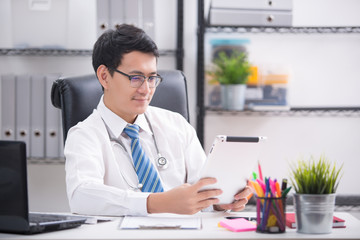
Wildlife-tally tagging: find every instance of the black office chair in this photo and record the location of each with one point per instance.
(78, 96)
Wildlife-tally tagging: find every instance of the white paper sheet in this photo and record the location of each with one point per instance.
(161, 221)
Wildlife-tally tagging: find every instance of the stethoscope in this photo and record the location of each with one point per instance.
(161, 162)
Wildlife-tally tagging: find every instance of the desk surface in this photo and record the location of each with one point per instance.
(210, 230)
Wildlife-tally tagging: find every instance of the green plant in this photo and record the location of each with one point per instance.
(315, 177)
(231, 69)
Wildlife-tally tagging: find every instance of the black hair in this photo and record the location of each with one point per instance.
(113, 44)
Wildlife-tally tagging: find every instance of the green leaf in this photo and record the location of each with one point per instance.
(315, 177)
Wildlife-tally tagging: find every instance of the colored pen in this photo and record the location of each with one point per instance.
(247, 218)
(277, 187)
(259, 191)
(272, 187)
(252, 185)
(265, 210)
(261, 183)
(284, 184)
(249, 196)
(260, 172)
(254, 176)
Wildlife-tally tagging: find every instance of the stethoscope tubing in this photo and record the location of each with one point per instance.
(161, 162)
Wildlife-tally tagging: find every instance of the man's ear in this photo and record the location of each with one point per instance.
(103, 75)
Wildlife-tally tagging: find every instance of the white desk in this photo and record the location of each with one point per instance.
(210, 230)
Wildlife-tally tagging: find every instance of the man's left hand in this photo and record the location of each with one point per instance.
(240, 200)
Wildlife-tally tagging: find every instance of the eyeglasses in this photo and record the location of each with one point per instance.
(137, 80)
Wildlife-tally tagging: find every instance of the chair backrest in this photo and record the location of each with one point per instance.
(78, 96)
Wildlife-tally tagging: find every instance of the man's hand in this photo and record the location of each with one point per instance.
(240, 200)
(185, 199)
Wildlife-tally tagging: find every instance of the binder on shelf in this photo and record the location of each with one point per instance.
(132, 12)
(7, 107)
(37, 127)
(6, 24)
(78, 26)
(147, 18)
(112, 13)
(103, 17)
(52, 119)
(22, 110)
(117, 12)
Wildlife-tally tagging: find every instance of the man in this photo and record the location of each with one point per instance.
(105, 152)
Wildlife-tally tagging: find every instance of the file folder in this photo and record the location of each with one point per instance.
(117, 12)
(52, 121)
(78, 26)
(6, 24)
(147, 18)
(37, 137)
(103, 16)
(7, 107)
(22, 110)
(132, 12)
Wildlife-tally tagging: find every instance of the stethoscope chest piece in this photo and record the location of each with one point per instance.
(161, 162)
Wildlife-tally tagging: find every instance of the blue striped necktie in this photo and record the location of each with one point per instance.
(147, 174)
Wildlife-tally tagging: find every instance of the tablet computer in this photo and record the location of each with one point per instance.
(231, 160)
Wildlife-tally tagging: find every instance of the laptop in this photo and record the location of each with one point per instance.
(231, 160)
(14, 209)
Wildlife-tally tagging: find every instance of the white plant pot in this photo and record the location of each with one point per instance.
(233, 96)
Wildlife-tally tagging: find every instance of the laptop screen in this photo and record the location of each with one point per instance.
(13, 185)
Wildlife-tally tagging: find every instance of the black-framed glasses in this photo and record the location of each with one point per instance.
(137, 80)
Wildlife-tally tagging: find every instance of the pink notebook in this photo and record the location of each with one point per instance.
(238, 225)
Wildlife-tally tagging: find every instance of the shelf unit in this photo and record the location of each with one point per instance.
(74, 52)
(202, 110)
(293, 112)
(178, 53)
(47, 161)
(294, 30)
(43, 52)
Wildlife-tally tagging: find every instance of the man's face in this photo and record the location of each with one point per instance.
(124, 100)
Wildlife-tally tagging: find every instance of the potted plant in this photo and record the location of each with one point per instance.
(315, 184)
(231, 70)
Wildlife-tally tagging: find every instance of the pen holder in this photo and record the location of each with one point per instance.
(270, 214)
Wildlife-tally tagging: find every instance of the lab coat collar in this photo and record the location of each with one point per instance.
(116, 124)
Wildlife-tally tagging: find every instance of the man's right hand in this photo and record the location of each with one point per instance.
(185, 199)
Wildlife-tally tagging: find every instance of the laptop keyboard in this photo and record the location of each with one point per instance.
(43, 218)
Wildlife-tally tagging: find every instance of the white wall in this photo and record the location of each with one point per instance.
(293, 137)
(288, 136)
